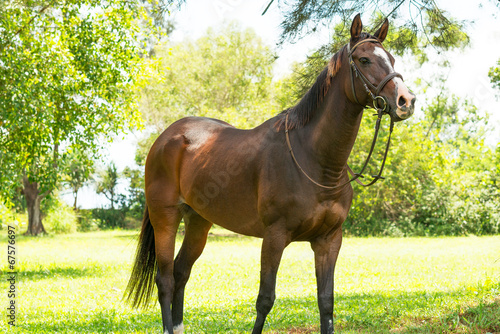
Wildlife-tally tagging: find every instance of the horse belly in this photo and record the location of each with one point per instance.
(222, 190)
(230, 206)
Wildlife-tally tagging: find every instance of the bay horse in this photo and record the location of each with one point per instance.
(207, 172)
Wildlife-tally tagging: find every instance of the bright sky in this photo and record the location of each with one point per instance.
(467, 77)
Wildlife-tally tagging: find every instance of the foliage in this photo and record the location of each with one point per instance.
(228, 77)
(5, 215)
(400, 41)
(407, 285)
(10, 216)
(107, 182)
(66, 75)
(65, 78)
(109, 218)
(416, 20)
(435, 184)
(224, 74)
(494, 74)
(136, 201)
(79, 167)
(86, 221)
(61, 218)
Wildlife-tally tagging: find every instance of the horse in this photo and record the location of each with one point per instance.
(206, 172)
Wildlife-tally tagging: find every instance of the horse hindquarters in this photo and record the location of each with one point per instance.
(163, 200)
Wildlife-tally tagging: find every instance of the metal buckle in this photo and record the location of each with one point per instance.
(376, 103)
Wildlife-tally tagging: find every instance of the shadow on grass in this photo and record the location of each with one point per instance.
(394, 312)
(484, 315)
(60, 272)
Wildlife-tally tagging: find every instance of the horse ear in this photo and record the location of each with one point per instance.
(356, 27)
(381, 34)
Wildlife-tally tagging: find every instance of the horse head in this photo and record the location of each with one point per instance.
(373, 79)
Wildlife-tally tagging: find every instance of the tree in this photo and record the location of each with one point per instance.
(435, 184)
(228, 76)
(136, 200)
(107, 182)
(494, 75)
(420, 19)
(399, 41)
(67, 71)
(226, 72)
(77, 172)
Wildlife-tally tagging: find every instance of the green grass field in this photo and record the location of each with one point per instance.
(74, 284)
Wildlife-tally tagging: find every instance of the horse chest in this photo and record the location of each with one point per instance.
(307, 221)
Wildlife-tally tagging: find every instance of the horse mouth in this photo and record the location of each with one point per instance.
(404, 113)
(400, 114)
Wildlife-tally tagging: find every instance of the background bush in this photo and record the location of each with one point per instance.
(60, 218)
(109, 218)
(86, 221)
(441, 177)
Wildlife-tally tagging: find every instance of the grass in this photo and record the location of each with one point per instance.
(74, 284)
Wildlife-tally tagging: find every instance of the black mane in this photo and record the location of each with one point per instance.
(305, 109)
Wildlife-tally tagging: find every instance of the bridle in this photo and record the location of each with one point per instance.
(373, 91)
(366, 83)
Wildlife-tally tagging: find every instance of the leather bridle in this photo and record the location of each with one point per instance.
(373, 91)
(369, 87)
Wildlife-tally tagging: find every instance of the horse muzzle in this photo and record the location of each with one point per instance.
(405, 106)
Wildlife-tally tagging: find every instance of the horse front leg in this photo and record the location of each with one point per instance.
(326, 250)
(275, 240)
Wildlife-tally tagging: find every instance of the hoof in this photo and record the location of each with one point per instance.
(179, 329)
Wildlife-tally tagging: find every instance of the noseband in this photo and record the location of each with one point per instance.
(379, 103)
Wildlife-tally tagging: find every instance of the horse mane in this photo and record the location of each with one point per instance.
(305, 109)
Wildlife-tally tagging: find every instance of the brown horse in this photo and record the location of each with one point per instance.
(208, 172)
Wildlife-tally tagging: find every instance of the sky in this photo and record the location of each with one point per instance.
(467, 76)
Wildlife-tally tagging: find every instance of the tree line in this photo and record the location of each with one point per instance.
(88, 75)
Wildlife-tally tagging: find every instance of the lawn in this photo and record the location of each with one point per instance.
(74, 284)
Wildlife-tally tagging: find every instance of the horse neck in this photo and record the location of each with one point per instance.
(332, 132)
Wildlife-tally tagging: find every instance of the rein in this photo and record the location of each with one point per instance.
(376, 98)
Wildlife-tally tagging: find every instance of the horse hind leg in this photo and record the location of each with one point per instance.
(193, 244)
(165, 221)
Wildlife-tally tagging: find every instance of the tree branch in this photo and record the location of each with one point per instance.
(29, 22)
(395, 8)
(268, 5)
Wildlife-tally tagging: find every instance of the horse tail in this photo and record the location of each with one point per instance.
(142, 279)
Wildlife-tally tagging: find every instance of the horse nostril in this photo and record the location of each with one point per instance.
(401, 102)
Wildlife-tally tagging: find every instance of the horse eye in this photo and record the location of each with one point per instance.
(364, 60)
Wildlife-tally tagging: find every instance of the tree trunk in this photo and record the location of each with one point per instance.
(33, 201)
(75, 194)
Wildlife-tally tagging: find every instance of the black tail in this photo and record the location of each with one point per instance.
(142, 280)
